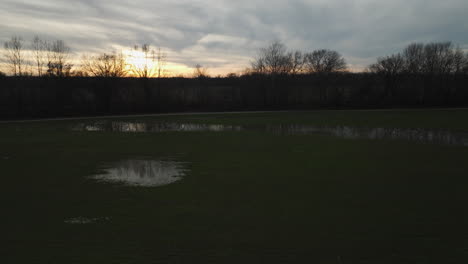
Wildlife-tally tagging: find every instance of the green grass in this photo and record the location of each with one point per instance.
(250, 197)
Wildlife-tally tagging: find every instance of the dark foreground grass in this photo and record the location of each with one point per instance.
(250, 197)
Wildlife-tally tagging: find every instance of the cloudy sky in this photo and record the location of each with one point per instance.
(223, 35)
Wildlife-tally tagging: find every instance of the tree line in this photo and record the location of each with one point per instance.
(53, 58)
(416, 58)
(115, 65)
(50, 58)
(275, 59)
(419, 58)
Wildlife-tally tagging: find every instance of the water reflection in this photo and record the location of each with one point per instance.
(143, 173)
(142, 127)
(445, 137)
(86, 220)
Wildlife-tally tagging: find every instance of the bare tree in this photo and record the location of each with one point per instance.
(324, 61)
(200, 71)
(438, 58)
(414, 57)
(232, 75)
(105, 65)
(458, 61)
(58, 54)
(39, 48)
(144, 68)
(297, 62)
(161, 60)
(465, 64)
(275, 59)
(433, 58)
(14, 54)
(258, 66)
(272, 60)
(390, 65)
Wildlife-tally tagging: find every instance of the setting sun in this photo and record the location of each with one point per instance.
(304, 131)
(139, 62)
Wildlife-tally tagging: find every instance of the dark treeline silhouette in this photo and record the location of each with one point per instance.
(49, 58)
(105, 65)
(34, 97)
(277, 60)
(428, 59)
(430, 65)
(423, 75)
(52, 58)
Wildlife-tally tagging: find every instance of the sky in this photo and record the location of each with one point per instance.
(224, 36)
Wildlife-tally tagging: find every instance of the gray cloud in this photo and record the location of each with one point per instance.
(224, 34)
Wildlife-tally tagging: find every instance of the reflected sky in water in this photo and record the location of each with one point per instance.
(143, 173)
(145, 127)
(86, 220)
(429, 136)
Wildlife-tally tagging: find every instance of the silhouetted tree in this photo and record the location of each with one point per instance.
(438, 58)
(414, 57)
(232, 75)
(145, 68)
(272, 60)
(389, 65)
(39, 49)
(14, 55)
(459, 61)
(429, 59)
(161, 60)
(105, 65)
(58, 59)
(297, 62)
(2, 74)
(465, 64)
(324, 61)
(200, 71)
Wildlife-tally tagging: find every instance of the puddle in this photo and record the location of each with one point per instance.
(428, 136)
(141, 127)
(143, 173)
(85, 220)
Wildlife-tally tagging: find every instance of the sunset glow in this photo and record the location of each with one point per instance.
(211, 38)
(137, 61)
(249, 131)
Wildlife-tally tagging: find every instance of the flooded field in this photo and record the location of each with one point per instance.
(142, 173)
(429, 136)
(308, 187)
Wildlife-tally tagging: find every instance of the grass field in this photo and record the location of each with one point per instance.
(247, 197)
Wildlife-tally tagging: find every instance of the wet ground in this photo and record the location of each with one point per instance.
(419, 135)
(251, 188)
